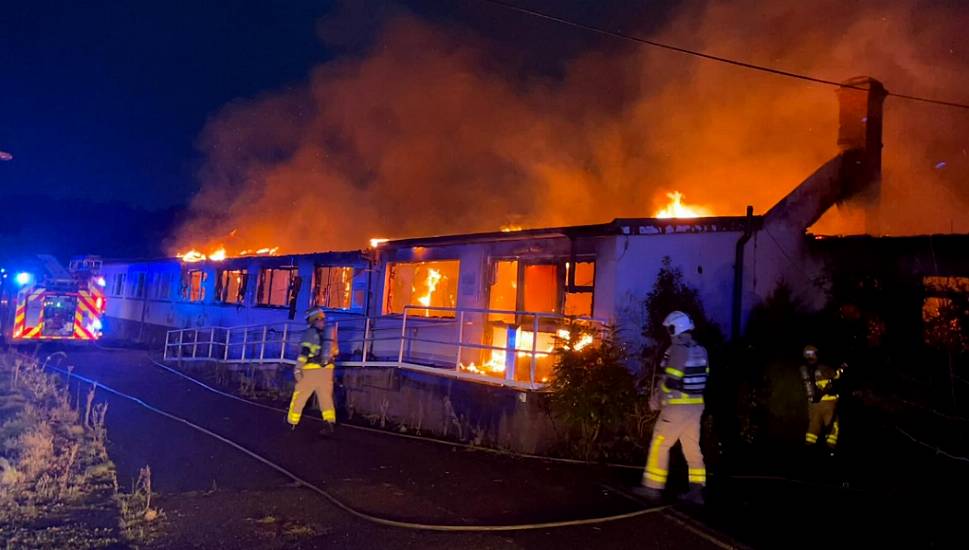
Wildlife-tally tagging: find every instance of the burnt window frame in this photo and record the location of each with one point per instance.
(565, 280)
(387, 298)
(221, 289)
(185, 292)
(571, 288)
(261, 282)
(315, 289)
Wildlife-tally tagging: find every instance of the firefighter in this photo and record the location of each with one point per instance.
(314, 370)
(821, 387)
(679, 396)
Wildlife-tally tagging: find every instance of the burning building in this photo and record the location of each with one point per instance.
(488, 308)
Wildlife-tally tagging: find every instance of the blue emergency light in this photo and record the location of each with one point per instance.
(23, 278)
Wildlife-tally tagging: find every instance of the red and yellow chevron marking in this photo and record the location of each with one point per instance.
(90, 306)
(19, 320)
(87, 305)
(96, 298)
(80, 332)
(20, 329)
(34, 331)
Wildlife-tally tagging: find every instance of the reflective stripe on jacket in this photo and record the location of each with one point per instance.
(318, 348)
(685, 370)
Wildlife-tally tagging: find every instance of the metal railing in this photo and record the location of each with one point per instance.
(505, 347)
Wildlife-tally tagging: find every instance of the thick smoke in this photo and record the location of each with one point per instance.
(424, 135)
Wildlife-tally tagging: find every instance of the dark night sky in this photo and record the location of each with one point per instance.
(105, 99)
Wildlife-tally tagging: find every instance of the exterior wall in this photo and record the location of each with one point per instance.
(407, 402)
(444, 407)
(626, 268)
(132, 318)
(707, 263)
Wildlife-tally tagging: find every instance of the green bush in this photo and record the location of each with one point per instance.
(594, 395)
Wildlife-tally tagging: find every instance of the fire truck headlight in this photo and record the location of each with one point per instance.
(23, 278)
(96, 324)
(100, 281)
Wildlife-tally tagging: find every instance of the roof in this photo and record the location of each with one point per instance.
(618, 226)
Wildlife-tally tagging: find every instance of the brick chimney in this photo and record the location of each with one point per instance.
(860, 138)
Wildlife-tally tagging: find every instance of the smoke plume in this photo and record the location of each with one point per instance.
(425, 135)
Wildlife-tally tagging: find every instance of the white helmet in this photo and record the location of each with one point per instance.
(677, 323)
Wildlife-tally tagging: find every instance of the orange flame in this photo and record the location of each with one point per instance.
(676, 208)
(583, 342)
(495, 364)
(433, 279)
(192, 256)
(510, 228)
(377, 241)
(219, 254)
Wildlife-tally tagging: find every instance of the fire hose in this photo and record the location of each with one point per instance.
(458, 444)
(671, 514)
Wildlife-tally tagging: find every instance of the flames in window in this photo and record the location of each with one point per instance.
(524, 340)
(430, 285)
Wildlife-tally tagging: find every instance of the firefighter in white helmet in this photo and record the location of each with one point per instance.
(679, 396)
(314, 369)
(820, 385)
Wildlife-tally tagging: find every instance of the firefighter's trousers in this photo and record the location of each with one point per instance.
(320, 381)
(822, 419)
(675, 423)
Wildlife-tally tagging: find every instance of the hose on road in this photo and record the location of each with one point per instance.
(683, 522)
(217, 391)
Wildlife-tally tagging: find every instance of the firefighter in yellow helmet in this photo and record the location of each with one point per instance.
(680, 398)
(821, 387)
(314, 369)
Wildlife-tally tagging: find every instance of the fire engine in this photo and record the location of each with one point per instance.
(46, 302)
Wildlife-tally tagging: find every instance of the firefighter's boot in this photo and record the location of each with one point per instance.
(328, 429)
(648, 494)
(694, 495)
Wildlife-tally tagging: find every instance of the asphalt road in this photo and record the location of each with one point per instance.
(215, 496)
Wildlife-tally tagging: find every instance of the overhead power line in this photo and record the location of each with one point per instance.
(752, 66)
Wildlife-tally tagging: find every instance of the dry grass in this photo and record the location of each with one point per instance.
(139, 520)
(57, 484)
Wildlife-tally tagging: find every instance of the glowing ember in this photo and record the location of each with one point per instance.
(260, 252)
(511, 228)
(676, 208)
(582, 343)
(221, 253)
(192, 256)
(375, 242)
(495, 364)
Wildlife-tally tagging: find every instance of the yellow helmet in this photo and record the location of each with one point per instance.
(315, 313)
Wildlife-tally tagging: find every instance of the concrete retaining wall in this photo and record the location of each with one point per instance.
(406, 401)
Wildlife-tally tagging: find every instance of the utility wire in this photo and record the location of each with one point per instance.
(711, 57)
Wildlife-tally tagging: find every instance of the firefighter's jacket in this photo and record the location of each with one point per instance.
(820, 382)
(685, 371)
(318, 348)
